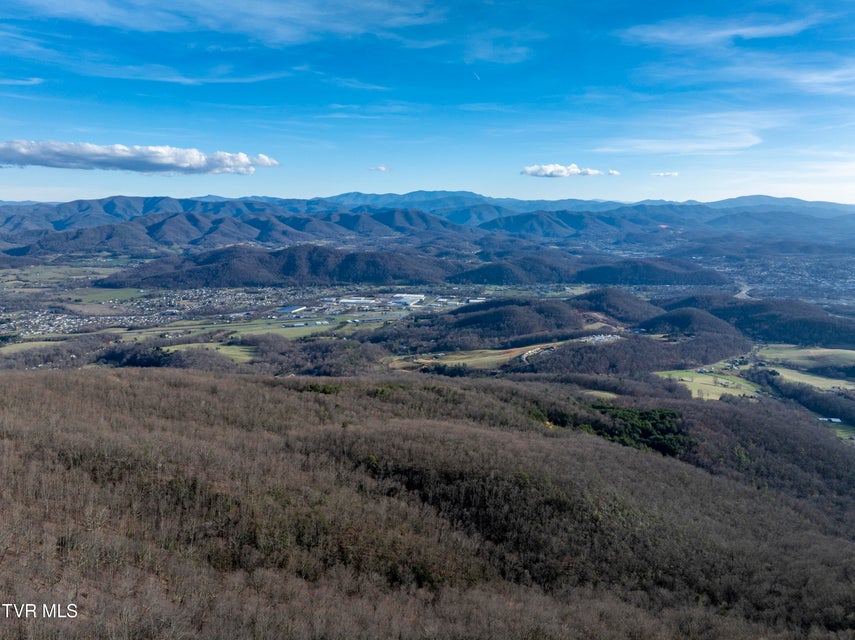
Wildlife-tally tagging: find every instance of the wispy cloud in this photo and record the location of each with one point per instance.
(712, 52)
(161, 73)
(353, 83)
(347, 83)
(487, 107)
(826, 75)
(272, 21)
(500, 46)
(142, 159)
(380, 168)
(561, 171)
(23, 82)
(666, 174)
(678, 145)
(712, 133)
(703, 32)
(88, 60)
(821, 73)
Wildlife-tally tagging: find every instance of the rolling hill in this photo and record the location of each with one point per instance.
(302, 265)
(652, 272)
(211, 222)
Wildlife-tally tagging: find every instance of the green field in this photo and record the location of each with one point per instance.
(711, 386)
(784, 358)
(604, 395)
(846, 432)
(235, 352)
(820, 382)
(800, 357)
(94, 294)
(17, 347)
(244, 327)
(46, 275)
(509, 291)
(477, 359)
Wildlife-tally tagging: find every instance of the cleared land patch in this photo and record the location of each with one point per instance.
(820, 382)
(711, 386)
(17, 347)
(237, 353)
(797, 357)
(844, 431)
(52, 275)
(94, 294)
(476, 359)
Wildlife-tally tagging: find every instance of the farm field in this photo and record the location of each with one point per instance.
(95, 294)
(845, 431)
(820, 382)
(237, 353)
(40, 276)
(476, 359)
(711, 386)
(249, 327)
(17, 347)
(796, 357)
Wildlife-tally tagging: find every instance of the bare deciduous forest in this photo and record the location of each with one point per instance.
(185, 504)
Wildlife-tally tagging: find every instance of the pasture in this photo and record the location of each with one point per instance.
(820, 382)
(476, 359)
(237, 353)
(797, 357)
(711, 386)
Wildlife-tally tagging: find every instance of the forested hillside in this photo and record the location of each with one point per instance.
(204, 506)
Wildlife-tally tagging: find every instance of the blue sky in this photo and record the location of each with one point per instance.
(533, 99)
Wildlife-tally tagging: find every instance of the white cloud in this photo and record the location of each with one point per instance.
(381, 168)
(25, 82)
(161, 73)
(719, 58)
(561, 171)
(153, 159)
(353, 83)
(713, 143)
(613, 172)
(262, 160)
(702, 32)
(822, 75)
(666, 174)
(273, 21)
(501, 46)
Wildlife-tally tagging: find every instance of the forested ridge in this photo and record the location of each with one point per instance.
(776, 320)
(218, 506)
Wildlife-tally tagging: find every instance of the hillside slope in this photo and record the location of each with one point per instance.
(184, 504)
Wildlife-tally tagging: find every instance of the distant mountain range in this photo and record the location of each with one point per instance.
(447, 224)
(437, 201)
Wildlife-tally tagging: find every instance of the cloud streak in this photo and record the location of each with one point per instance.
(500, 46)
(118, 157)
(666, 174)
(708, 145)
(695, 33)
(26, 82)
(562, 171)
(273, 21)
